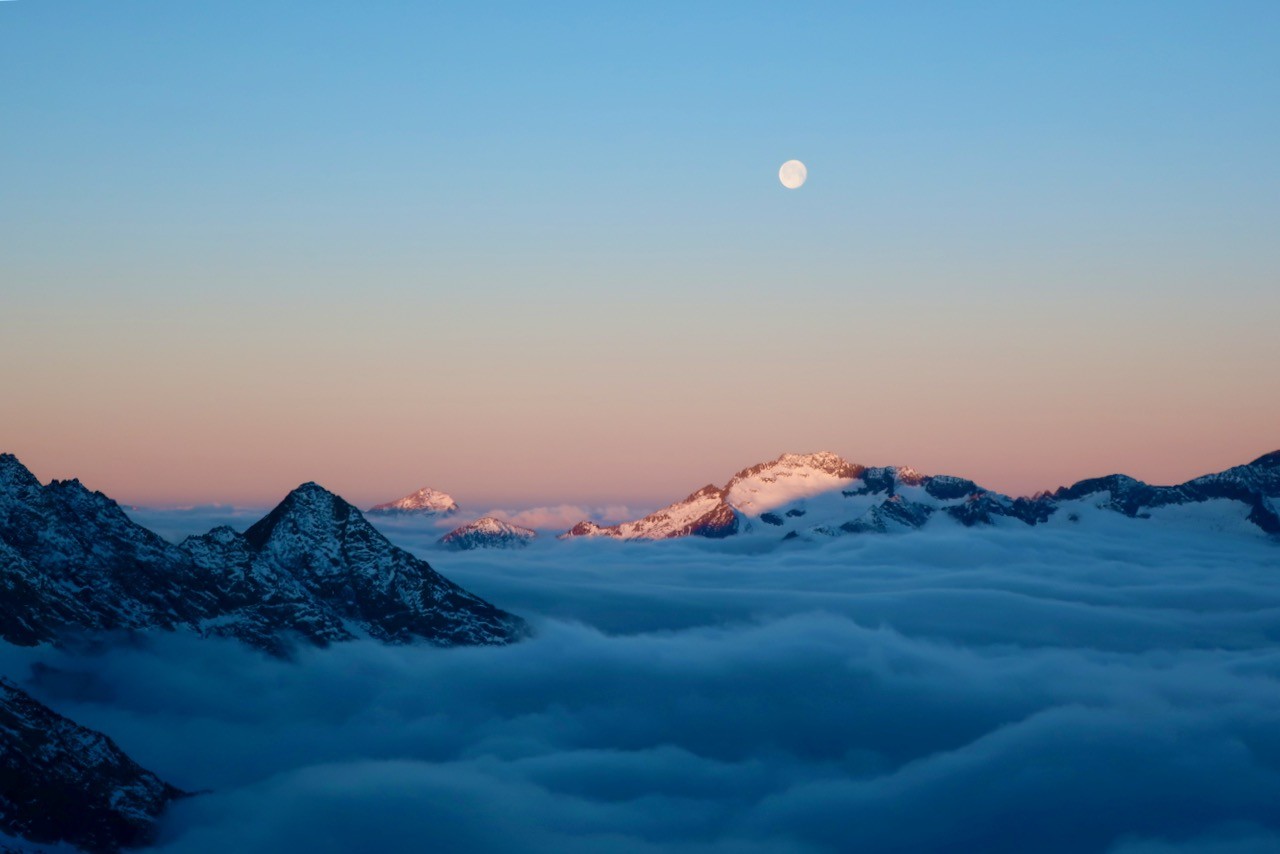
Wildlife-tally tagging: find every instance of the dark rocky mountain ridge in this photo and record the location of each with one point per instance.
(73, 564)
(61, 782)
(313, 569)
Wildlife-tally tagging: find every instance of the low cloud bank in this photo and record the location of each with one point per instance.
(562, 517)
(1104, 690)
(177, 523)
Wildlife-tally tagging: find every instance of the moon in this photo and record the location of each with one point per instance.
(792, 174)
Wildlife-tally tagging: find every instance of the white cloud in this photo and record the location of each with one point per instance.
(957, 690)
(561, 517)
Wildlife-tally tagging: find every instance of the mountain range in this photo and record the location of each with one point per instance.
(74, 565)
(72, 562)
(814, 496)
(314, 570)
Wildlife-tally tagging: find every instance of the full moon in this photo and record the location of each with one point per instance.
(792, 174)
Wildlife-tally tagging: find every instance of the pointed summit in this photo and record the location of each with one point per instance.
(318, 542)
(309, 511)
(15, 476)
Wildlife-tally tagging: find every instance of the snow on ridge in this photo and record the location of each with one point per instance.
(488, 532)
(425, 501)
(789, 478)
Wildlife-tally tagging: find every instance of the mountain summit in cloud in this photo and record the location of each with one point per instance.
(803, 496)
(424, 502)
(71, 561)
(488, 533)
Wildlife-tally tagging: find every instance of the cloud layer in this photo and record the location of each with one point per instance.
(1111, 689)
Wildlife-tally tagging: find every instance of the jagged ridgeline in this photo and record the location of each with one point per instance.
(815, 496)
(72, 562)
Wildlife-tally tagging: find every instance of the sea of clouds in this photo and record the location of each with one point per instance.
(176, 523)
(1113, 686)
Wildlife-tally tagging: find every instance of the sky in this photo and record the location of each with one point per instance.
(538, 253)
(1106, 686)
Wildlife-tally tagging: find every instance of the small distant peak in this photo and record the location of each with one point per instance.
(487, 531)
(492, 525)
(222, 535)
(425, 501)
(586, 528)
(909, 476)
(708, 491)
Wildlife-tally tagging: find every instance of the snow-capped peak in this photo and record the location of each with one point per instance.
(309, 511)
(425, 502)
(488, 532)
(789, 478)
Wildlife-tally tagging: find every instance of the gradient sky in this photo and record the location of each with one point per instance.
(538, 252)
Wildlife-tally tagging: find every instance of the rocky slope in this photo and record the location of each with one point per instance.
(61, 782)
(705, 513)
(488, 533)
(72, 562)
(805, 496)
(425, 502)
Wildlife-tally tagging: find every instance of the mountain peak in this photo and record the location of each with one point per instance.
(488, 532)
(425, 501)
(826, 462)
(311, 497)
(14, 475)
(312, 567)
(789, 478)
(310, 488)
(309, 510)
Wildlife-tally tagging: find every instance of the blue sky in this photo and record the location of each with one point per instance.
(195, 193)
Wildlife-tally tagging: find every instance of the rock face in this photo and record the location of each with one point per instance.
(1256, 486)
(72, 562)
(425, 502)
(61, 782)
(488, 533)
(803, 496)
